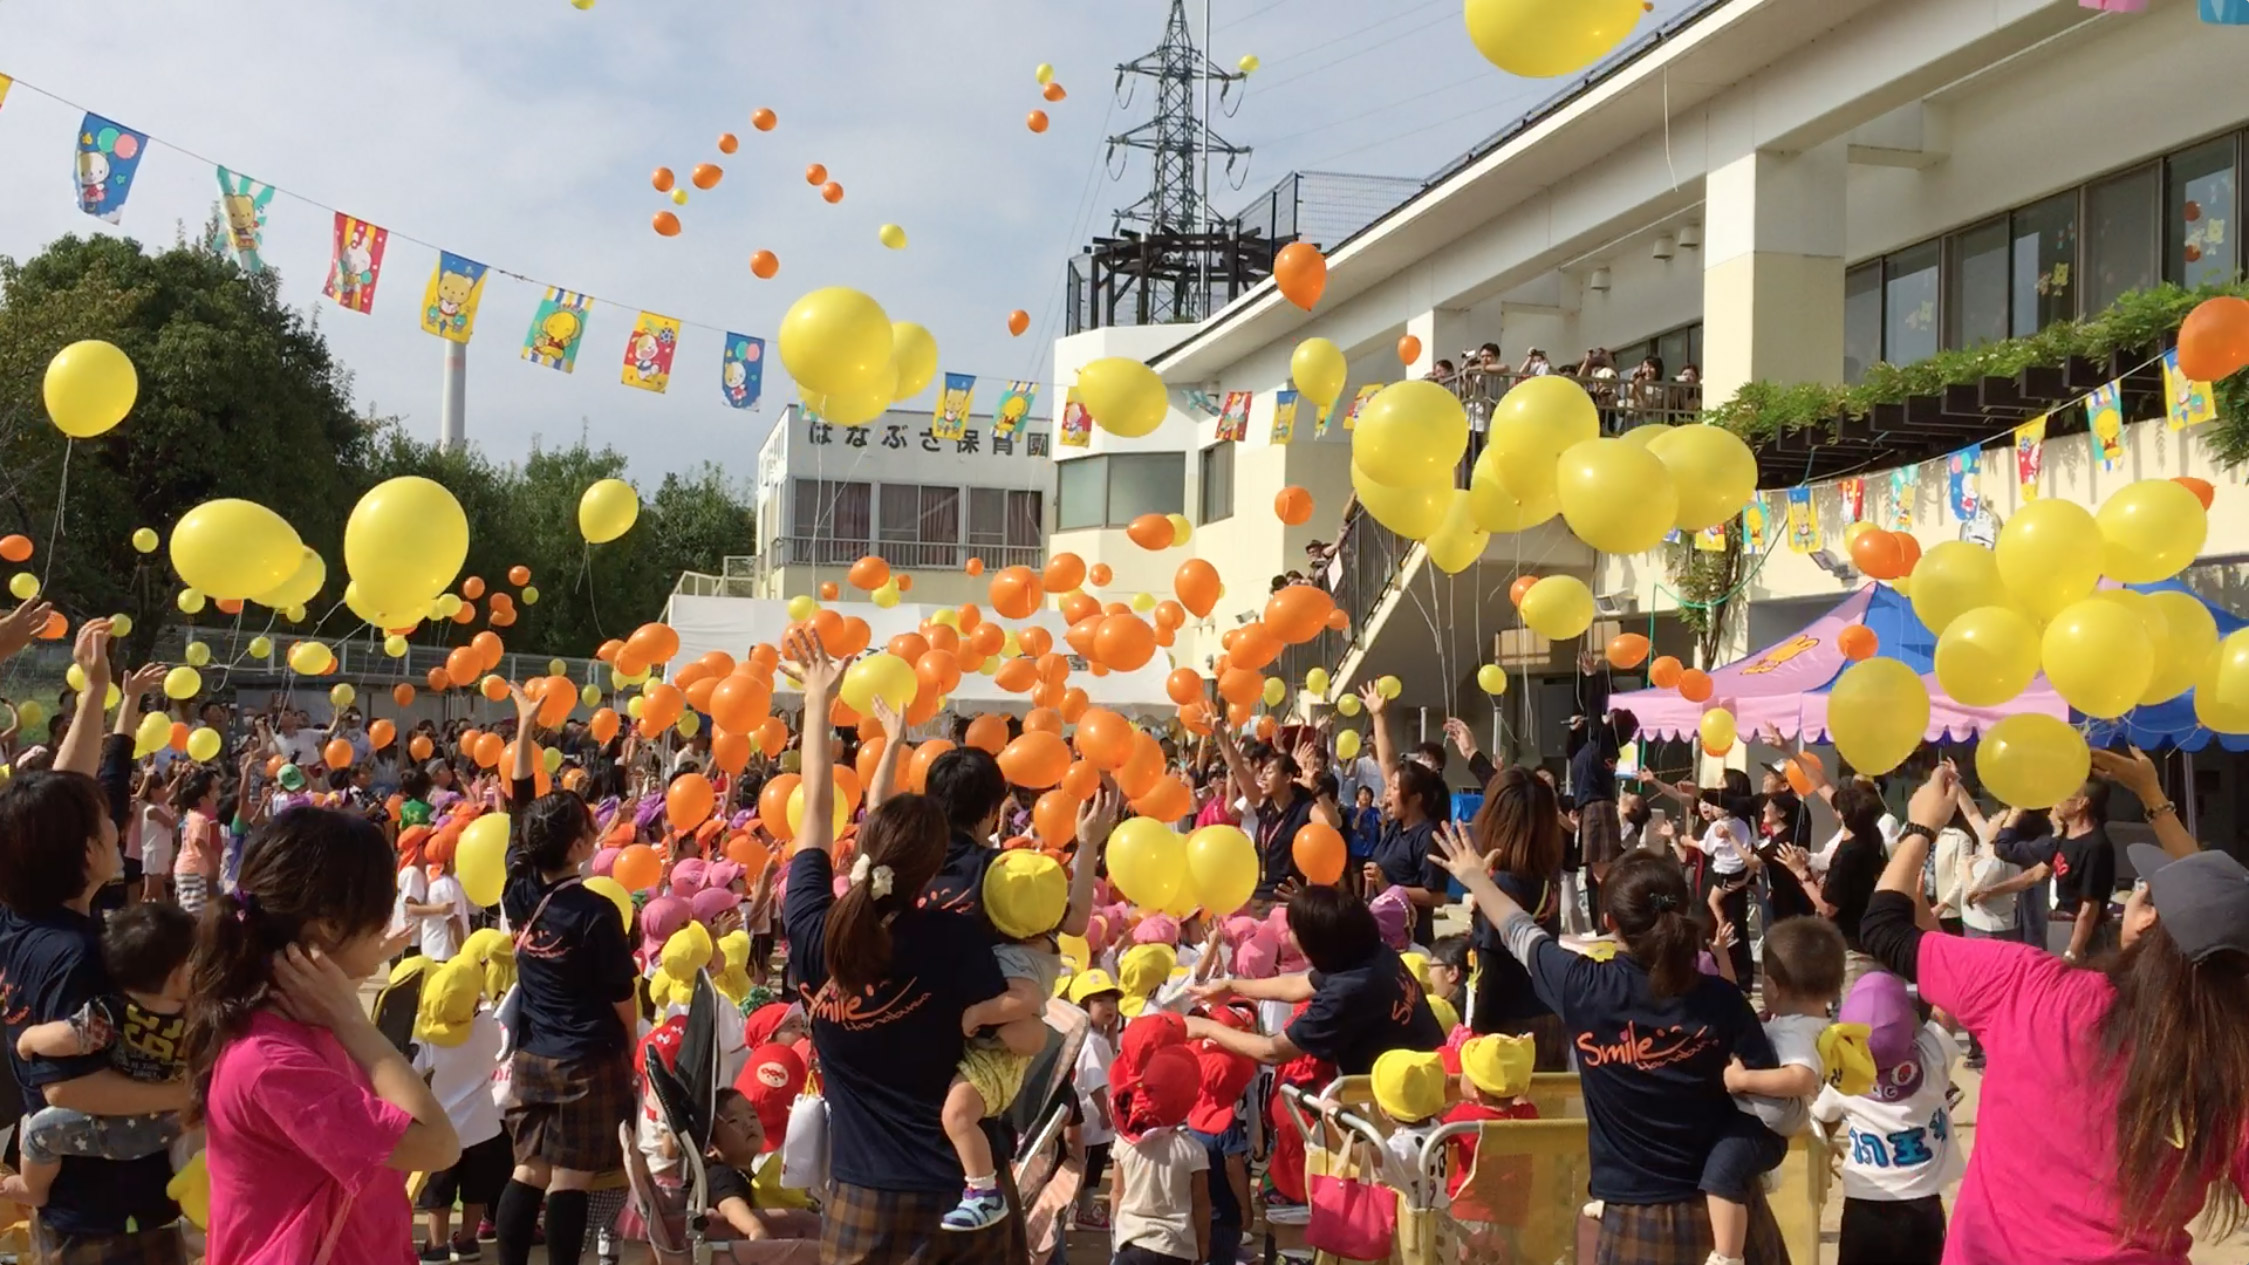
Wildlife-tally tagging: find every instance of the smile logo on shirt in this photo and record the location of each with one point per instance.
(864, 1011)
(1645, 1051)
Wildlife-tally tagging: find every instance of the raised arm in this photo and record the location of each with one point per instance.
(885, 783)
(1231, 752)
(81, 747)
(1385, 749)
(1096, 818)
(2136, 773)
(809, 661)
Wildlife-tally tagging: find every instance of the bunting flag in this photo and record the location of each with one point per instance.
(1359, 402)
(242, 208)
(2030, 455)
(950, 421)
(5, 84)
(1077, 424)
(557, 327)
(648, 353)
(1853, 492)
(1014, 406)
(2226, 12)
(2104, 424)
(355, 263)
(1284, 416)
(1803, 524)
(1757, 521)
(1233, 416)
(449, 304)
(1961, 470)
(108, 156)
(742, 370)
(1905, 484)
(2185, 401)
(1713, 539)
(1200, 401)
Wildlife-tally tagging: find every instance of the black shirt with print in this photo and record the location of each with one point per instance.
(1359, 1014)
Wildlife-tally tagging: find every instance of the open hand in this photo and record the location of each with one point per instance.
(144, 680)
(1462, 740)
(893, 724)
(804, 658)
(2134, 772)
(1458, 854)
(1371, 694)
(91, 653)
(1096, 818)
(20, 625)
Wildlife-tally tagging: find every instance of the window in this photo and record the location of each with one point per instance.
(1680, 348)
(1113, 490)
(1909, 304)
(2119, 238)
(2044, 257)
(1218, 482)
(830, 521)
(1000, 518)
(1026, 529)
(1862, 320)
(2199, 247)
(1975, 296)
(1082, 489)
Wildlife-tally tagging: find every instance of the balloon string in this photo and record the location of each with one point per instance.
(62, 500)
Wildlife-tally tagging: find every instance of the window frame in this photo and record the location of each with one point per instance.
(1208, 511)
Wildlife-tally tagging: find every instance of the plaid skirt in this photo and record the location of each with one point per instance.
(567, 1111)
(1679, 1234)
(859, 1226)
(147, 1247)
(1600, 834)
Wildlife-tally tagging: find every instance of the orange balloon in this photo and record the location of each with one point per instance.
(652, 643)
(698, 691)
(1184, 685)
(908, 646)
(1037, 642)
(1521, 586)
(1695, 685)
(1036, 760)
(1627, 650)
(54, 628)
(439, 679)
(1879, 554)
(1099, 574)
(502, 617)
(728, 142)
(2214, 339)
(489, 648)
(607, 653)
(730, 752)
(1043, 720)
(1195, 718)
(554, 706)
(707, 175)
(1664, 673)
(938, 671)
(772, 735)
(1080, 605)
(816, 174)
(1912, 550)
(1082, 780)
(494, 688)
(1054, 818)
(1293, 505)
(1339, 620)
(1319, 853)
(917, 767)
(974, 566)
(465, 615)
(986, 640)
(829, 591)
(988, 732)
(688, 801)
(665, 223)
(1105, 738)
(1170, 614)
(177, 738)
(856, 634)
(763, 119)
(763, 264)
(1124, 642)
(1241, 686)
(229, 605)
(869, 573)
(1074, 704)
(1255, 646)
(463, 664)
(1017, 675)
(1036, 120)
(1168, 800)
(905, 583)
(1297, 613)
(604, 724)
(1267, 727)
(1409, 349)
(1064, 572)
(1054, 92)
(1301, 273)
(15, 548)
(2201, 488)
(402, 694)
(662, 179)
(420, 747)
(638, 868)
(661, 705)
(832, 192)
(1857, 641)
(1142, 768)
(1080, 635)
(746, 851)
(489, 748)
(1015, 592)
(773, 805)
(1196, 583)
(1150, 531)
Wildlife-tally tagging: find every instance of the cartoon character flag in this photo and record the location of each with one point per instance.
(1077, 424)
(1961, 472)
(1853, 492)
(1358, 402)
(5, 84)
(557, 327)
(108, 157)
(1233, 416)
(1284, 416)
(1711, 539)
(1803, 524)
(2185, 401)
(2104, 424)
(2030, 455)
(242, 208)
(951, 418)
(1905, 483)
(1756, 522)
(1200, 401)
(449, 304)
(742, 370)
(1015, 405)
(648, 353)
(355, 265)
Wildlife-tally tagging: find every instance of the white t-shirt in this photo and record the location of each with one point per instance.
(156, 841)
(1157, 1210)
(1796, 1043)
(461, 1077)
(1888, 825)
(1944, 861)
(1901, 1140)
(1725, 858)
(413, 885)
(1094, 1058)
(1401, 1159)
(301, 748)
(442, 933)
(1985, 869)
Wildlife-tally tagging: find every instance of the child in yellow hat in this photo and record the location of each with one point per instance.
(1409, 1088)
(1495, 1081)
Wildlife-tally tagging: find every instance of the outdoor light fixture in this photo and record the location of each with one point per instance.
(1665, 247)
(1598, 280)
(1690, 236)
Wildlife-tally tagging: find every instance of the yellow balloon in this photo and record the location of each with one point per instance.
(1539, 39)
(342, 695)
(481, 858)
(679, 197)
(529, 596)
(447, 605)
(1458, 542)
(1717, 730)
(1147, 861)
(839, 817)
(121, 625)
(1647, 434)
(1316, 681)
(183, 682)
(1143, 602)
(1222, 866)
(590, 696)
(2221, 691)
(75, 677)
(860, 406)
(913, 352)
(1248, 64)
(302, 586)
(1876, 714)
(190, 601)
(403, 544)
(1044, 74)
(1275, 691)
(835, 341)
(2049, 555)
(1492, 679)
(1855, 530)
(90, 387)
(356, 602)
(689, 724)
(1318, 369)
(1714, 472)
(145, 540)
(1349, 704)
(1390, 686)
(23, 585)
(2152, 530)
(203, 744)
(1414, 513)
(2097, 654)
(1497, 506)
(608, 510)
(261, 647)
(802, 607)
(2192, 639)
(614, 892)
(31, 713)
(310, 658)
(197, 654)
(1987, 656)
(1616, 497)
(395, 646)
(1558, 607)
(634, 705)
(1532, 425)
(1182, 531)
(1410, 435)
(892, 236)
(1952, 579)
(1347, 743)
(232, 548)
(884, 676)
(1123, 396)
(154, 732)
(886, 596)
(2032, 761)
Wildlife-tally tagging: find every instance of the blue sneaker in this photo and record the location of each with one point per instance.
(978, 1209)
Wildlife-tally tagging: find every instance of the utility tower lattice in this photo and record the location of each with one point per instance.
(1175, 138)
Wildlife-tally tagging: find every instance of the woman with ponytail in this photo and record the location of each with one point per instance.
(576, 1020)
(1653, 1037)
(887, 980)
(313, 1117)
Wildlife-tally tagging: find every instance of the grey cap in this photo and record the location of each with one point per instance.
(2203, 899)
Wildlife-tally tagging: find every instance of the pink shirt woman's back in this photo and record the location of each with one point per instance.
(298, 1149)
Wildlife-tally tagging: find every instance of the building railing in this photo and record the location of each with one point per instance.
(825, 551)
(1625, 402)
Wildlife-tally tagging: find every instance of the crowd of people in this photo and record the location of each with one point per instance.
(183, 947)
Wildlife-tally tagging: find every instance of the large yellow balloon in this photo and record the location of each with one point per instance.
(835, 341)
(2098, 656)
(1415, 513)
(1539, 39)
(2032, 761)
(1497, 506)
(2153, 529)
(1717, 730)
(232, 548)
(2192, 639)
(1532, 425)
(608, 510)
(1876, 714)
(2221, 692)
(1617, 497)
(1987, 656)
(840, 815)
(884, 676)
(1714, 471)
(1318, 369)
(1411, 435)
(302, 585)
(311, 658)
(1647, 434)
(90, 387)
(2049, 555)
(614, 892)
(1223, 867)
(404, 543)
(1558, 607)
(182, 682)
(481, 858)
(1123, 396)
(203, 744)
(1148, 862)
(913, 353)
(1952, 579)
(861, 406)
(356, 602)
(1458, 542)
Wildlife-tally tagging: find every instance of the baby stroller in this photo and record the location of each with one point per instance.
(1041, 1112)
(688, 1100)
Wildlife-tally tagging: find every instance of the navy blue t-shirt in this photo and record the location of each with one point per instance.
(1505, 1000)
(959, 885)
(1357, 1015)
(573, 966)
(50, 969)
(887, 1055)
(1407, 857)
(1276, 842)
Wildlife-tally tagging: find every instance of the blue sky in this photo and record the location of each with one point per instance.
(522, 133)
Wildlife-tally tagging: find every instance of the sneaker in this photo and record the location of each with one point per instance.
(978, 1209)
(436, 1254)
(486, 1232)
(465, 1248)
(1093, 1217)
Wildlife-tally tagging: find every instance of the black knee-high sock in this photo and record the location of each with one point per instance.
(516, 1219)
(566, 1226)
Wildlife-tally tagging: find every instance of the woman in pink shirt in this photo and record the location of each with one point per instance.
(2115, 1104)
(314, 1118)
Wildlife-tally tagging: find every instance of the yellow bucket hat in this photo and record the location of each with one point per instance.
(450, 994)
(1026, 893)
(1091, 984)
(1409, 1085)
(1499, 1065)
(1144, 968)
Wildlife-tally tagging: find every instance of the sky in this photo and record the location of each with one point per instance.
(522, 133)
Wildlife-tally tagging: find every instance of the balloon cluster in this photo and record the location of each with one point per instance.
(1049, 90)
(849, 359)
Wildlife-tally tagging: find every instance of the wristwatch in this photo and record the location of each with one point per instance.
(2159, 808)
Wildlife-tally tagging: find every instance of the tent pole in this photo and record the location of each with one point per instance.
(2188, 797)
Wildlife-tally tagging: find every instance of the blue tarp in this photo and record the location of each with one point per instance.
(2171, 724)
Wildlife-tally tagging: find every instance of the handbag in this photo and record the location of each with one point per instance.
(1352, 1218)
(804, 1149)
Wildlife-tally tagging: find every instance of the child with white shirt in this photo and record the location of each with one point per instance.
(1902, 1154)
(457, 1047)
(1409, 1087)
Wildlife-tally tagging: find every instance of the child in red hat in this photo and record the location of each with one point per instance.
(1161, 1199)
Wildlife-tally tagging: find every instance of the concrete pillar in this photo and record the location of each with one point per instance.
(1772, 287)
(452, 412)
(1443, 332)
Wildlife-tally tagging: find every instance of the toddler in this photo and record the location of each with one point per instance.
(1495, 1081)
(1096, 994)
(457, 1044)
(1901, 1154)
(1161, 1192)
(1409, 1087)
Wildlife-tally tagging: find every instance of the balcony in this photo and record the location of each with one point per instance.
(1624, 402)
(903, 555)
